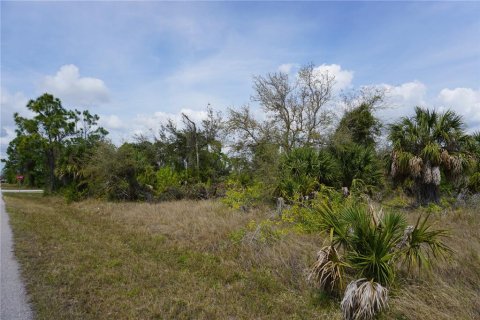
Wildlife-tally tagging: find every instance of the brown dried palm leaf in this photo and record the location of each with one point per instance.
(445, 159)
(456, 164)
(407, 233)
(363, 300)
(394, 165)
(327, 271)
(436, 176)
(427, 173)
(415, 164)
(376, 211)
(393, 169)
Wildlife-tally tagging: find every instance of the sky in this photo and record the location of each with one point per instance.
(138, 63)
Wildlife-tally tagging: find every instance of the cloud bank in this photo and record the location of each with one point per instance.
(70, 87)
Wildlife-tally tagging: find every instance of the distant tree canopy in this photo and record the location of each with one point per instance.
(48, 146)
(293, 149)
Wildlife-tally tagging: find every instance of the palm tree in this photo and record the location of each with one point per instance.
(304, 169)
(474, 181)
(370, 245)
(425, 144)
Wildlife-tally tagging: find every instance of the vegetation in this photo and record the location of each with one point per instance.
(426, 144)
(197, 259)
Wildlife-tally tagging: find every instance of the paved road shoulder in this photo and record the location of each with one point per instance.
(13, 300)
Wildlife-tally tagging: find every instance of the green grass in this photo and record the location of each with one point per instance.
(182, 260)
(14, 186)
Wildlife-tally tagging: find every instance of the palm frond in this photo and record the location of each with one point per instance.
(424, 244)
(363, 300)
(327, 273)
(431, 152)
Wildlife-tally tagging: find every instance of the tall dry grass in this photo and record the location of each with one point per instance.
(93, 260)
(183, 260)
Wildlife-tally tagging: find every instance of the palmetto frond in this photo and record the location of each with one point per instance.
(431, 152)
(363, 300)
(423, 244)
(327, 271)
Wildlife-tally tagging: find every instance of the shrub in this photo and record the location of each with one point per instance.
(304, 214)
(238, 196)
(358, 162)
(166, 178)
(303, 170)
(372, 242)
(474, 182)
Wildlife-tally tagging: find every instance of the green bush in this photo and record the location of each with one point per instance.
(238, 196)
(373, 241)
(166, 178)
(358, 162)
(303, 170)
(305, 214)
(474, 182)
(148, 176)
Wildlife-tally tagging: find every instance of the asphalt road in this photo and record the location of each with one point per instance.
(21, 191)
(13, 300)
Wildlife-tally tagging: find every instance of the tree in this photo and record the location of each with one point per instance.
(195, 148)
(425, 144)
(26, 157)
(78, 149)
(354, 140)
(52, 146)
(296, 115)
(50, 126)
(359, 125)
(295, 109)
(474, 148)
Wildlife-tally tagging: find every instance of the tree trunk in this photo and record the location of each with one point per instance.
(427, 193)
(51, 169)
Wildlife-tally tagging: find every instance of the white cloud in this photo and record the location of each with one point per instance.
(11, 103)
(144, 123)
(343, 78)
(400, 100)
(464, 101)
(111, 122)
(287, 67)
(7, 135)
(73, 89)
(409, 93)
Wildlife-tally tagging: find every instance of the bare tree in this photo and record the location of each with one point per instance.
(296, 109)
(192, 137)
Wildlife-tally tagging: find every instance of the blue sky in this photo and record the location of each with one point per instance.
(138, 63)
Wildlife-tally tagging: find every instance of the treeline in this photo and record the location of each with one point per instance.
(291, 150)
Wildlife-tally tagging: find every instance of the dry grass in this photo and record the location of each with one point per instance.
(98, 260)
(452, 289)
(183, 260)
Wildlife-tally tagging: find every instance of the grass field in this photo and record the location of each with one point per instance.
(200, 260)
